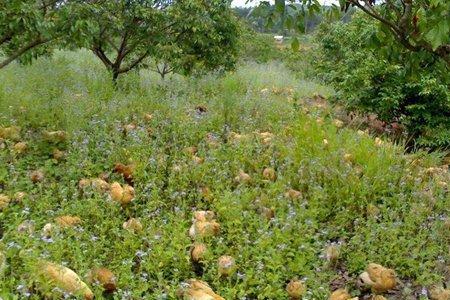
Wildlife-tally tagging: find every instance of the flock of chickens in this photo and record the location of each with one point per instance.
(376, 278)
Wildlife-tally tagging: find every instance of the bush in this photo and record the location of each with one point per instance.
(395, 84)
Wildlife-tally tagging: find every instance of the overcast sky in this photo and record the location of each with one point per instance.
(242, 2)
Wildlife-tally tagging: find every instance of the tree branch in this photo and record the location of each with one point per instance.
(18, 53)
(101, 54)
(135, 63)
(121, 52)
(375, 15)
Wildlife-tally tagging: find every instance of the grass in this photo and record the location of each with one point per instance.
(377, 203)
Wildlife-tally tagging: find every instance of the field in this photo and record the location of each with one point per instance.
(295, 193)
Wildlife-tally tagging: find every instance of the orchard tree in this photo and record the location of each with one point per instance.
(181, 33)
(417, 25)
(27, 24)
(207, 37)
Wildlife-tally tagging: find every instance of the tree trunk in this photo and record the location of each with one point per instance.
(115, 75)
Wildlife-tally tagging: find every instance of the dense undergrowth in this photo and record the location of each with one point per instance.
(373, 76)
(365, 196)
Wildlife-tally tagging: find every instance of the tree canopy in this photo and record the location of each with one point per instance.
(417, 25)
(123, 34)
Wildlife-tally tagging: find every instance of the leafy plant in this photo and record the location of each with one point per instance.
(395, 84)
(185, 34)
(27, 24)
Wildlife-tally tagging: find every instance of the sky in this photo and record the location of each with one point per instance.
(242, 2)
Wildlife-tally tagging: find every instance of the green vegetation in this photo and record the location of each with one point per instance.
(220, 164)
(365, 196)
(184, 36)
(411, 88)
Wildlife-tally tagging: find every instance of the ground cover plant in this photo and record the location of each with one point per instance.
(245, 181)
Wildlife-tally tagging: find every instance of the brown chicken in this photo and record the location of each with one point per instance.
(295, 289)
(103, 277)
(126, 171)
(439, 293)
(340, 294)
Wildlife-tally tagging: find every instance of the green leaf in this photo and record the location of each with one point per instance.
(280, 5)
(439, 34)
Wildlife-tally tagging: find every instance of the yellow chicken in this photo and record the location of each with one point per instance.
(195, 289)
(379, 278)
(65, 279)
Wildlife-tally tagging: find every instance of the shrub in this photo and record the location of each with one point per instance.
(411, 88)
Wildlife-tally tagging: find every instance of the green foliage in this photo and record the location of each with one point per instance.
(72, 91)
(27, 24)
(418, 26)
(186, 34)
(258, 47)
(387, 80)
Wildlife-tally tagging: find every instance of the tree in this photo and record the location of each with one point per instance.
(27, 24)
(183, 33)
(417, 25)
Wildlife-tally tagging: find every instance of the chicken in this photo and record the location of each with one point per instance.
(269, 174)
(124, 195)
(201, 229)
(439, 293)
(295, 289)
(65, 279)
(242, 177)
(198, 251)
(67, 221)
(104, 277)
(55, 136)
(133, 225)
(126, 171)
(194, 289)
(293, 194)
(340, 294)
(10, 133)
(4, 201)
(379, 278)
(226, 265)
